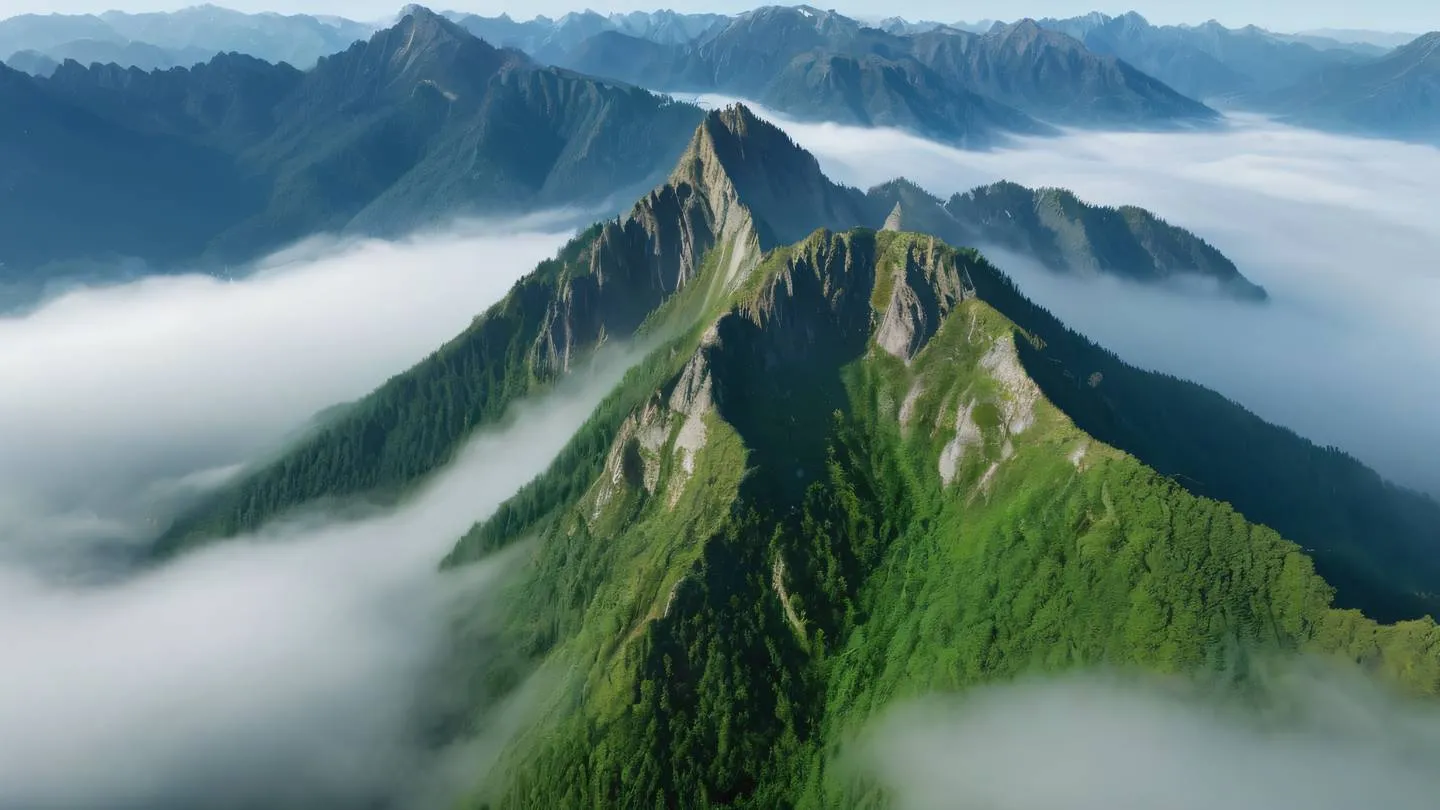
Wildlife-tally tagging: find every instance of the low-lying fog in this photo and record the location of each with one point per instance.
(274, 671)
(1318, 739)
(1342, 232)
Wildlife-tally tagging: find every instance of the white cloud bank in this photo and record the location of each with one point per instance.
(276, 671)
(279, 671)
(168, 381)
(1089, 742)
(1341, 231)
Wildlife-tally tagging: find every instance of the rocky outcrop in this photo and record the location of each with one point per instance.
(638, 262)
(925, 286)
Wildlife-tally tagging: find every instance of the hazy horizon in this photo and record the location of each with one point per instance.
(1286, 16)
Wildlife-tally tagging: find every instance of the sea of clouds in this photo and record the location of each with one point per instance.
(279, 670)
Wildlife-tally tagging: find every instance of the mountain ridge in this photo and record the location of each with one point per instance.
(737, 540)
(421, 122)
(1066, 234)
(855, 465)
(772, 54)
(742, 189)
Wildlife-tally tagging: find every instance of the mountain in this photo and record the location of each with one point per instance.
(859, 465)
(548, 40)
(601, 286)
(903, 27)
(32, 62)
(870, 90)
(942, 82)
(193, 34)
(1055, 77)
(140, 55)
(1065, 233)
(1397, 95)
(420, 123)
(80, 184)
(1206, 61)
(741, 189)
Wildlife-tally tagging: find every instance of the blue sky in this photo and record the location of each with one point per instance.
(1282, 15)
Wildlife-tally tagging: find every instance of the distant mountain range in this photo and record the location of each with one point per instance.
(946, 83)
(1207, 61)
(1397, 95)
(237, 156)
(179, 38)
(220, 163)
(141, 55)
(1360, 36)
(549, 40)
(969, 84)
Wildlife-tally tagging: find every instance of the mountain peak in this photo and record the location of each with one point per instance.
(1424, 45)
(1026, 33)
(768, 173)
(422, 48)
(425, 26)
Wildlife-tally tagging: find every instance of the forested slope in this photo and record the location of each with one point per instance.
(848, 490)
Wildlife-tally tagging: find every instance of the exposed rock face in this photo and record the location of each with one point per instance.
(967, 434)
(1018, 408)
(894, 220)
(638, 262)
(924, 290)
(693, 399)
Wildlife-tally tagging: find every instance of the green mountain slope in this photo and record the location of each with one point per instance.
(858, 466)
(742, 188)
(1065, 233)
(848, 490)
(421, 123)
(602, 286)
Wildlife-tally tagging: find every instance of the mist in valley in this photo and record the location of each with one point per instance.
(1340, 231)
(280, 670)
